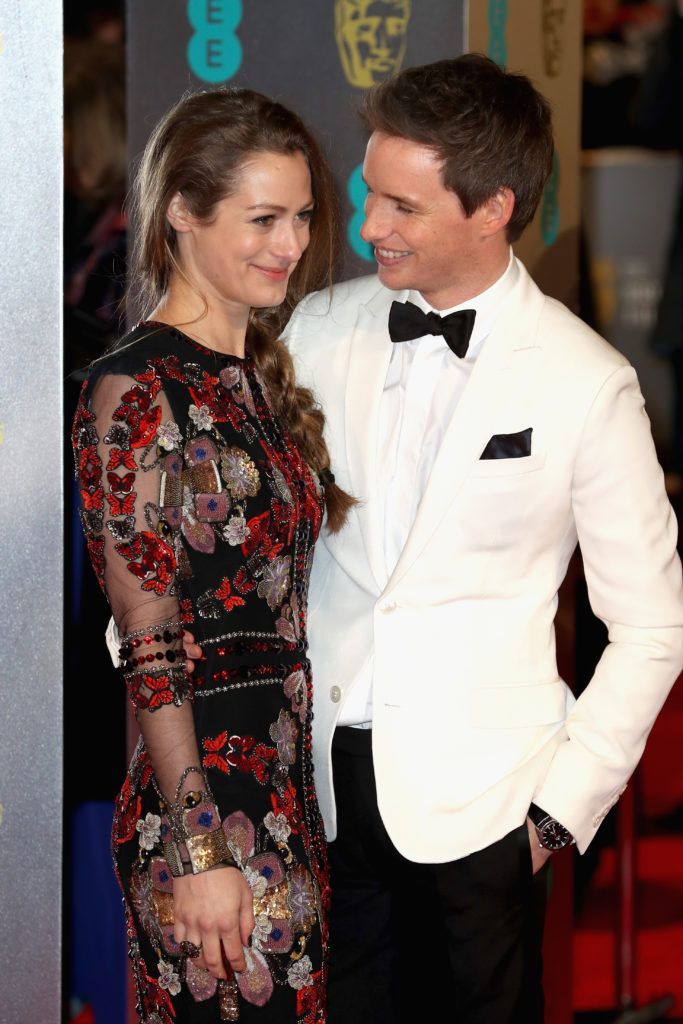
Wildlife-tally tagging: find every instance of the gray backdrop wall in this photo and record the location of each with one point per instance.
(30, 509)
(317, 56)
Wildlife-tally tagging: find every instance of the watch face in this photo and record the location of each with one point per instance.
(554, 836)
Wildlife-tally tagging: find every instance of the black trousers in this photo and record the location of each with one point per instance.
(458, 942)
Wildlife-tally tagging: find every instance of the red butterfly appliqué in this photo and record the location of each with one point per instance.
(122, 507)
(121, 484)
(117, 457)
(157, 563)
(92, 501)
(229, 600)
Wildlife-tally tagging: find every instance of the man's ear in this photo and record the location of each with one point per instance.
(178, 215)
(496, 211)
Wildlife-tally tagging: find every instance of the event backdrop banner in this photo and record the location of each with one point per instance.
(315, 57)
(542, 38)
(30, 510)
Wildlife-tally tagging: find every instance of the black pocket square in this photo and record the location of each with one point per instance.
(508, 446)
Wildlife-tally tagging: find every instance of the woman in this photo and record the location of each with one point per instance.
(204, 477)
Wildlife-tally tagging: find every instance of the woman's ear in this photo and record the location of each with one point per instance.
(178, 215)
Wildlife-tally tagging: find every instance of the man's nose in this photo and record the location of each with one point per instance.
(376, 225)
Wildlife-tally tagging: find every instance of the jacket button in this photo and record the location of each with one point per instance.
(388, 606)
(335, 694)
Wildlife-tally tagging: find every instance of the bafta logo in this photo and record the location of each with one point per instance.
(553, 16)
(371, 38)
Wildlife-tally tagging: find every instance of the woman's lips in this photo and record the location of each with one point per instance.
(274, 273)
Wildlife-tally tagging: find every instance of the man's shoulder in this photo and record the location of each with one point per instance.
(566, 339)
(342, 302)
(570, 341)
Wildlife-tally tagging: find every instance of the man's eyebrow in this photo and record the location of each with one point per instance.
(403, 200)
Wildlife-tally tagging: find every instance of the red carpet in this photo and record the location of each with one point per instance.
(659, 895)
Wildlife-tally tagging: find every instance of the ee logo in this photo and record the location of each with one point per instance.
(357, 191)
(497, 14)
(214, 52)
(550, 204)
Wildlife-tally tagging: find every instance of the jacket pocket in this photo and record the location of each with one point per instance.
(507, 467)
(514, 707)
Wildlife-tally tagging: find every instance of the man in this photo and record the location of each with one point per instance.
(451, 759)
(477, 459)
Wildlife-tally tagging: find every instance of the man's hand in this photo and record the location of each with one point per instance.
(539, 854)
(192, 650)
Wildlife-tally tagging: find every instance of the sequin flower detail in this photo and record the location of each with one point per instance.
(275, 581)
(299, 974)
(263, 926)
(169, 436)
(141, 896)
(258, 883)
(295, 689)
(301, 899)
(201, 417)
(236, 531)
(282, 485)
(168, 978)
(150, 830)
(278, 826)
(240, 474)
(284, 733)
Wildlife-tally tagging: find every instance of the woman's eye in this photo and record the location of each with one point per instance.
(264, 221)
(305, 215)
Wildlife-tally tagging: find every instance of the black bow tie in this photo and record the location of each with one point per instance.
(408, 321)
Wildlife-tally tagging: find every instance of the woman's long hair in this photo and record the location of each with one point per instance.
(198, 149)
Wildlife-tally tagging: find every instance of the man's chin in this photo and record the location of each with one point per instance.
(393, 277)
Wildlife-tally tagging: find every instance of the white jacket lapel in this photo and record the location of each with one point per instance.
(369, 357)
(506, 366)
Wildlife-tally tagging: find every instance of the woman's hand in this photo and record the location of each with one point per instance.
(214, 910)
(192, 650)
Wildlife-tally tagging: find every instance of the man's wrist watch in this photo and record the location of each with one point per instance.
(551, 834)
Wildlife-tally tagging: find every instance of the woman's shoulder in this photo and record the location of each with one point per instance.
(136, 352)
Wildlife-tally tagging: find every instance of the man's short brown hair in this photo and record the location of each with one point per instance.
(491, 128)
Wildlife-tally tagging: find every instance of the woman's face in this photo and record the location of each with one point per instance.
(246, 254)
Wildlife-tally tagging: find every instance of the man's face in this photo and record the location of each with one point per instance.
(371, 37)
(421, 236)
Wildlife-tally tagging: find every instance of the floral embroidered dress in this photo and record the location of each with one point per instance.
(199, 511)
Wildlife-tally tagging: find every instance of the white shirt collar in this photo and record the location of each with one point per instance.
(487, 305)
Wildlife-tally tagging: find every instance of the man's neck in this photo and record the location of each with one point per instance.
(464, 291)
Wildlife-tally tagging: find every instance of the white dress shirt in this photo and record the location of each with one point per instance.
(423, 386)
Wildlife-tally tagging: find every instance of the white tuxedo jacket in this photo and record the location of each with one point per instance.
(471, 720)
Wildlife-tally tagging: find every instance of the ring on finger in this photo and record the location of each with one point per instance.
(190, 949)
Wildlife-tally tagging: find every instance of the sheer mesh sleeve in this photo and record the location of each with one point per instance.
(131, 545)
(132, 549)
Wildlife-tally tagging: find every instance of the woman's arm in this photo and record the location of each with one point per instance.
(133, 549)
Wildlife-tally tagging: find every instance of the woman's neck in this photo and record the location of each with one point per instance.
(222, 328)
